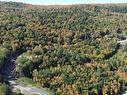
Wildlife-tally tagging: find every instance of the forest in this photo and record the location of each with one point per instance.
(70, 49)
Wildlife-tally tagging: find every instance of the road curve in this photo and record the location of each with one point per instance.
(8, 72)
(27, 90)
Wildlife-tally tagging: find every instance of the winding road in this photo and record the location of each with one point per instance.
(122, 42)
(9, 74)
(27, 90)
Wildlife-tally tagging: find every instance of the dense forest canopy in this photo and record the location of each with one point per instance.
(72, 49)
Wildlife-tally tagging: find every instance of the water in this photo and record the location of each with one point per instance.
(9, 74)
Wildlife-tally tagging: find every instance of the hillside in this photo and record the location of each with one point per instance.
(72, 50)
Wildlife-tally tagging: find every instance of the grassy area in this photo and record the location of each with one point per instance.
(29, 82)
(4, 89)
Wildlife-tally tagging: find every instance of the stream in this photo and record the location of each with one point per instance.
(9, 74)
